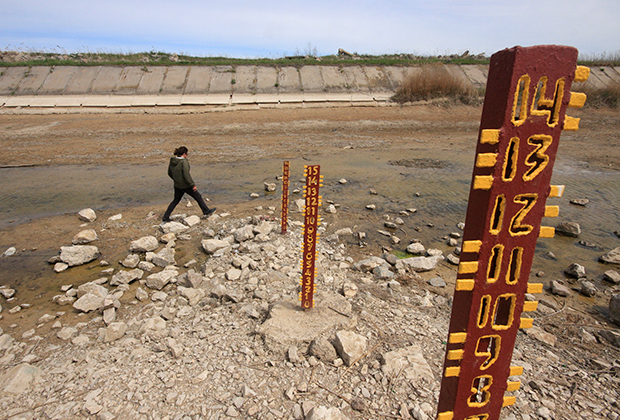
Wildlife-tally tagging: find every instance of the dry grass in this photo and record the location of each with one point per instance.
(600, 97)
(434, 81)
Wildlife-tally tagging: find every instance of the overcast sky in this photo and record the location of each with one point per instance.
(274, 28)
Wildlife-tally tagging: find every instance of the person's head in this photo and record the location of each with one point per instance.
(180, 151)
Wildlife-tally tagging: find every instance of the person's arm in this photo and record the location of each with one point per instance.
(187, 176)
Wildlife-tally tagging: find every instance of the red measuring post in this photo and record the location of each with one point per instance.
(286, 171)
(528, 92)
(312, 221)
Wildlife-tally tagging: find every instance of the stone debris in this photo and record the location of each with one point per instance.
(87, 215)
(78, 254)
(226, 337)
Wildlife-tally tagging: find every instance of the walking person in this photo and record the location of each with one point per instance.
(178, 170)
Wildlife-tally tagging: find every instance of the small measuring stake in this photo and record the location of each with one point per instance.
(286, 171)
(312, 221)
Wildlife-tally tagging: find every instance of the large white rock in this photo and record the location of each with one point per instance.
(324, 413)
(144, 244)
(612, 257)
(87, 215)
(164, 258)
(78, 254)
(92, 287)
(244, 234)
(369, 264)
(173, 227)
(88, 302)
(420, 264)
(85, 236)
(192, 220)
(20, 378)
(416, 248)
(194, 296)
(211, 246)
(350, 346)
(126, 277)
(114, 331)
(161, 279)
(408, 361)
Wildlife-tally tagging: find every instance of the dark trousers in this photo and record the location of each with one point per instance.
(178, 194)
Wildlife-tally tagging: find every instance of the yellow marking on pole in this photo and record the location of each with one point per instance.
(455, 355)
(534, 287)
(463, 285)
(546, 232)
(513, 386)
(509, 401)
(577, 100)
(483, 182)
(471, 246)
(571, 123)
(582, 73)
(486, 160)
(552, 211)
(516, 370)
(556, 191)
(448, 415)
(530, 306)
(457, 338)
(526, 323)
(453, 371)
(468, 267)
(489, 136)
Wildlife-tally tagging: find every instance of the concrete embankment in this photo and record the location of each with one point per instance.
(150, 86)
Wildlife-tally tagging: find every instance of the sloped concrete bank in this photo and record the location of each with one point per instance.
(165, 86)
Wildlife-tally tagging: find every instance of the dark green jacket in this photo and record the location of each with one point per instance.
(178, 170)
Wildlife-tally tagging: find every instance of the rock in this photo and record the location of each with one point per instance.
(92, 287)
(576, 271)
(612, 257)
(331, 209)
(541, 335)
(371, 207)
(350, 346)
(588, 289)
(612, 276)
(269, 187)
(60, 267)
(109, 315)
(6, 341)
(324, 413)
(349, 289)
(322, 349)
(453, 259)
(244, 234)
(7, 292)
(141, 295)
(383, 272)
(88, 302)
(557, 288)
(10, 251)
(131, 261)
(614, 308)
(20, 378)
(408, 361)
(342, 181)
(78, 254)
(191, 221)
(66, 333)
(421, 264)
(173, 227)
(612, 336)
(580, 201)
(126, 277)
(211, 246)
(437, 282)
(233, 274)
(144, 244)
(164, 257)
(390, 225)
(87, 215)
(114, 331)
(193, 296)
(159, 280)
(115, 218)
(568, 229)
(369, 264)
(84, 237)
(416, 248)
